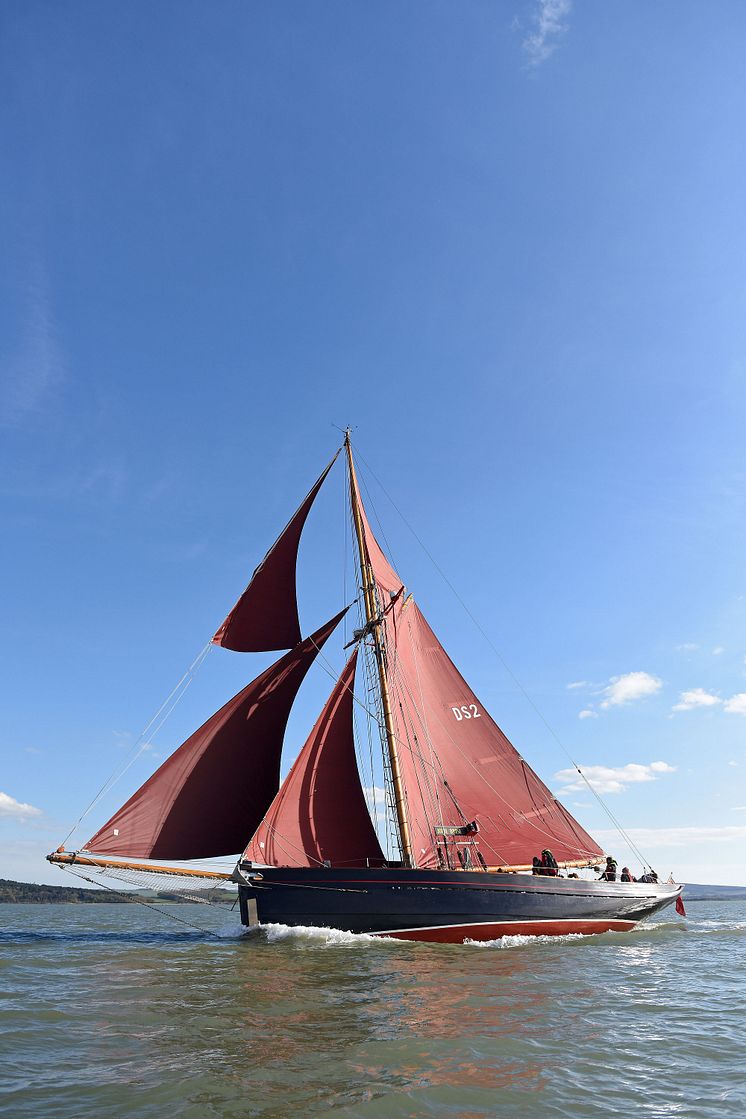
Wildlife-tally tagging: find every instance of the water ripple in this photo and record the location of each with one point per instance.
(116, 1012)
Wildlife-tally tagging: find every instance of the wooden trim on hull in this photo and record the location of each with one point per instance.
(494, 930)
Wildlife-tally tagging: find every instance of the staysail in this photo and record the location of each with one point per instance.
(457, 765)
(210, 794)
(266, 615)
(320, 813)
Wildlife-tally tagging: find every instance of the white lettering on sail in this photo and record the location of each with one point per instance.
(466, 711)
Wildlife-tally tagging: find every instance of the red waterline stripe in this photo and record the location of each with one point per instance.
(493, 930)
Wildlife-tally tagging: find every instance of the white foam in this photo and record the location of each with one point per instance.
(275, 933)
(522, 941)
(233, 931)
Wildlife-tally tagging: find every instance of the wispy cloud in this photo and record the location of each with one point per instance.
(736, 705)
(31, 372)
(577, 684)
(13, 809)
(718, 650)
(376, 798)
(687, 647)
(588, 713)
(610, 779)
(696, 697)
(548, 25)
(627, 688)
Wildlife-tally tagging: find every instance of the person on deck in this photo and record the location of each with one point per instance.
(608, 874)
(536, 868)
(548, 863)
(649, 876)
(627, 875)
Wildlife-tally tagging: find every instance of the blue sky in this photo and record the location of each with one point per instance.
(506, 243)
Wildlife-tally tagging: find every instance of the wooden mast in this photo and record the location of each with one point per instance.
(374, 621)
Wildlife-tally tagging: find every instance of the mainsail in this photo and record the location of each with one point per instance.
(456, 764)
(266, 615)
(210, 794)
(320, 813)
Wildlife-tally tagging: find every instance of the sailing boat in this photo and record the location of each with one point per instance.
(469, 814)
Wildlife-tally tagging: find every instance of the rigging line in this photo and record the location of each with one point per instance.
(466, 757)
(283, 840)
(348, 534)
(379, 523)
(345, 528)
(537, 711)
(141, 901)
(428, 736)
(141, 741)
(433, 810)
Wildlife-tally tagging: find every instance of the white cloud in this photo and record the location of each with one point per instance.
(577, 684)
(587, 713)
(736, 705)
(631, 686)
(647, 838)
(610, 779)
(376, 799)
(549, 21)
(687, 647)
(718, 650)
(739, 808)
(696, 697)
(13, 809)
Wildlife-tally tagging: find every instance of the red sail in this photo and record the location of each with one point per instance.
(211, 793)
(320, 811)
(266, 615)
(383, 572)
(457, 765)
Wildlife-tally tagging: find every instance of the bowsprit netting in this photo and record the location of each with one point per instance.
(165, 885)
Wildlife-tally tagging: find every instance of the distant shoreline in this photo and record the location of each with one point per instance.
(29, 893)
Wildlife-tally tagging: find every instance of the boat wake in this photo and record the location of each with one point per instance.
(276, 934)
(527, 941)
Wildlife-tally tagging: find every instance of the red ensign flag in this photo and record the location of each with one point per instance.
(680, 907)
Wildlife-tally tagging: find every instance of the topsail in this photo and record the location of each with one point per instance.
(266, 615)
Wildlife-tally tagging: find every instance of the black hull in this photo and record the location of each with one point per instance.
(445, 906)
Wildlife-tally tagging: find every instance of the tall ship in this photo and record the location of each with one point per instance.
(462, 819)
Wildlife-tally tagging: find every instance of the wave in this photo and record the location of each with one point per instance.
(525, 941)
(93, 937)
(276, 933)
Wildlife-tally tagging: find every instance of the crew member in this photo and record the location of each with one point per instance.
(608, 874)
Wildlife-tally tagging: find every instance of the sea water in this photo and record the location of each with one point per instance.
(116, 1011)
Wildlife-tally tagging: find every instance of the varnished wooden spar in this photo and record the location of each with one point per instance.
(563, 864)
(374, 621)
(71, 858)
